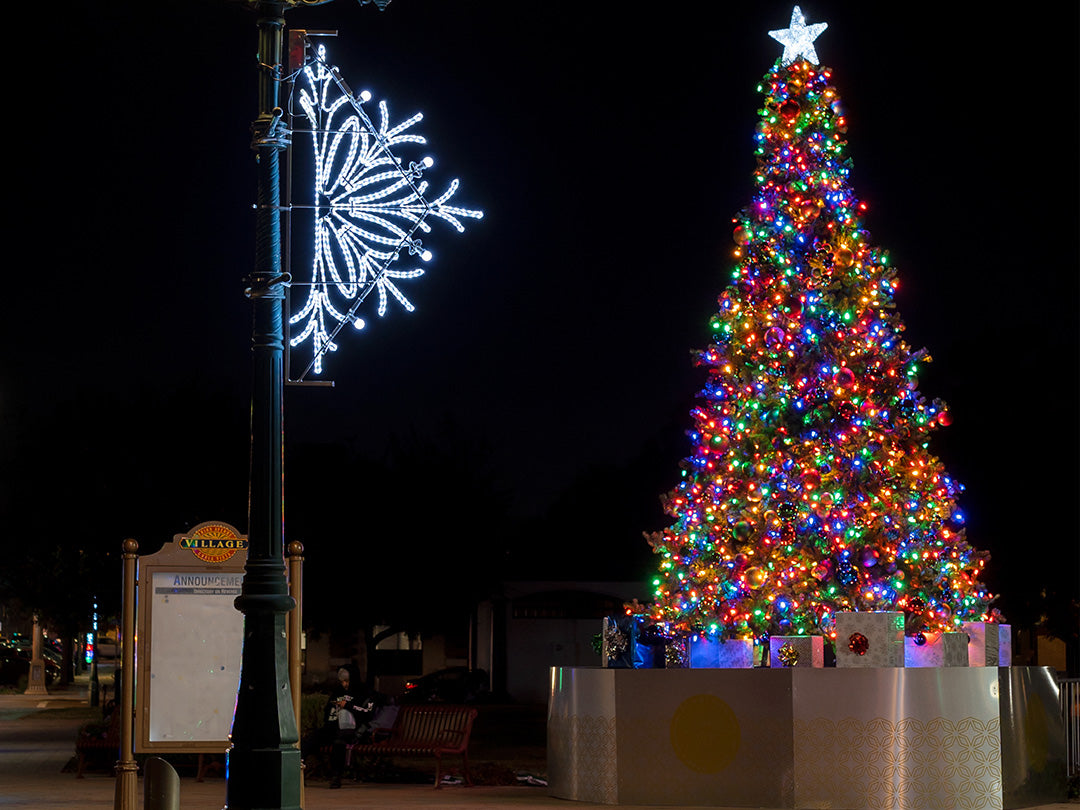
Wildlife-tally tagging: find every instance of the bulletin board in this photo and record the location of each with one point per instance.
(189, 641)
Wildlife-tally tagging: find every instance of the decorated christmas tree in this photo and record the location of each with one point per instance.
(811, 488)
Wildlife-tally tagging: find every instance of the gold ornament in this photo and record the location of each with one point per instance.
(756, 577)
(809, 209)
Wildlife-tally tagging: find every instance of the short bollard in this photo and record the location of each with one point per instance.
(161, 785)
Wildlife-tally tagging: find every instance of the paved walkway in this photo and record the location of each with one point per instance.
(35, 746)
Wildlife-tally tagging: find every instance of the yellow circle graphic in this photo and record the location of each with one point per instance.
(705, 734)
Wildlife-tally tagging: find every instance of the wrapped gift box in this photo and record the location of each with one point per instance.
(989, 645)
(652, 644)
(878, 639)
(761, 654)
(619, 643)
(810, 651)
(1004, 645)
(730, 654)
(627, 644)
(940, 650)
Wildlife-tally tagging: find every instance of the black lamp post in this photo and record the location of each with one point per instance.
(263, 761)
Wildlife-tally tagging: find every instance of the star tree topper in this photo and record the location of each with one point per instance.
(798, 39)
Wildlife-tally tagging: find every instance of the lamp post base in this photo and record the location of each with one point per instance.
(266, 779)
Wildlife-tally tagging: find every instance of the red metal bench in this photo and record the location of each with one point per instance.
(107, 740)
(425, 730)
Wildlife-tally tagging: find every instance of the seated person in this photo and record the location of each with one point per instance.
(345, 721)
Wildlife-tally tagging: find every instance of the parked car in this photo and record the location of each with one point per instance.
(450, 685)
(14, 664)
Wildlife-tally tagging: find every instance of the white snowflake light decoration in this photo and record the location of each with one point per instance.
(369, 207)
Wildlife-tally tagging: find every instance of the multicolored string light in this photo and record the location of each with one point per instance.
(811, 489)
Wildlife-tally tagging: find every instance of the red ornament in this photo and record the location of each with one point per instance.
(858, 643)
(944, 419)
(844, 378)
(789, 109)
(774, 337)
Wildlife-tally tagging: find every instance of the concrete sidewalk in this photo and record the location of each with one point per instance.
(36, 745)
(37, 741)
(65, 792)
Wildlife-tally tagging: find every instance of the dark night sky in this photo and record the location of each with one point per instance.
(609, 149)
